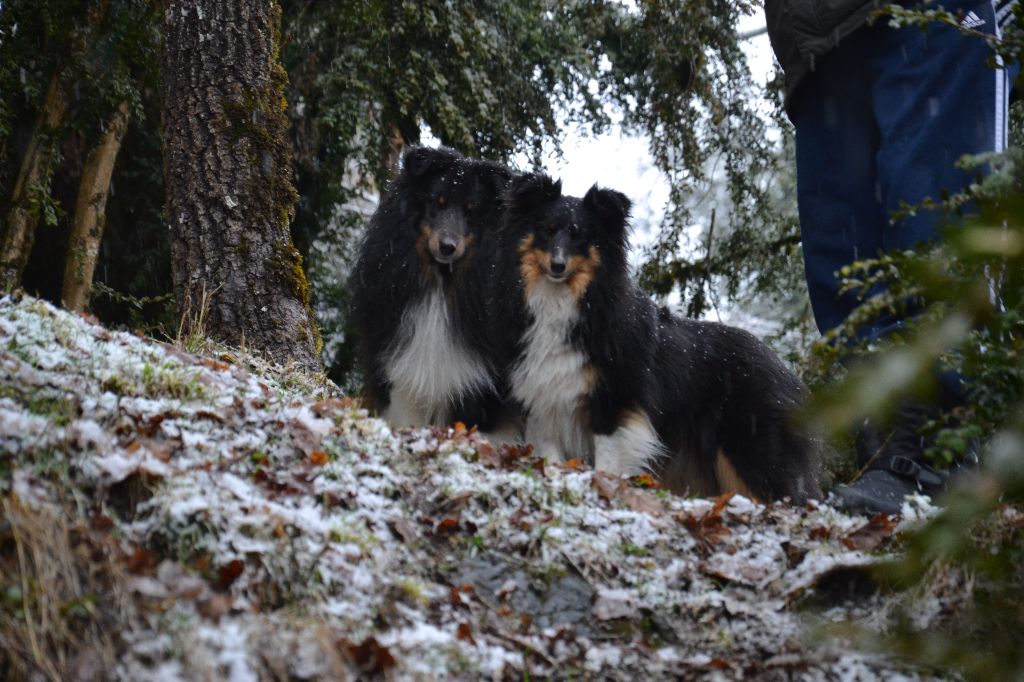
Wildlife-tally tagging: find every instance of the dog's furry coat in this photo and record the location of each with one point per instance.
(417, 292)
(603, 374)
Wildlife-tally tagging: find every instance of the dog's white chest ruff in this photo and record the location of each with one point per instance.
(550, 379)
(430, 368)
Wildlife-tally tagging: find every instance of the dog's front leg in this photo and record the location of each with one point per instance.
(631, 449)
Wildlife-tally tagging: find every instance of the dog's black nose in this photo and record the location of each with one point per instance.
(557, 266)
(447, 247)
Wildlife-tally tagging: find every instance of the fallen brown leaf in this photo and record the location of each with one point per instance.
(607, 486)
(215, 607)
(465, 633)
(216, 364)
(820, 533)
(644, 481)
(456, 598)
(709, 529)
(640, 500)
(370, 656)
(872, 534)
(331, 406)
(229, 573)
(447, 525)
(404, 530)
(101, 522)
(141, 562)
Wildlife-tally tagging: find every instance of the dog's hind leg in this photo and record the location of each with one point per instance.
(633, 448)
(402, 412)
(728, 480)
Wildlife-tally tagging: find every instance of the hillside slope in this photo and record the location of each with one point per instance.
(169, 516)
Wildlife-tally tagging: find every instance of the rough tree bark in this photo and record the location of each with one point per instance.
(90, 212)
(393, 147)
(35, 172)
(227, 168)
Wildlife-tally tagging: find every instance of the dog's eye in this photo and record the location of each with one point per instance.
(548, 229)
(575, 230)
(441, 201)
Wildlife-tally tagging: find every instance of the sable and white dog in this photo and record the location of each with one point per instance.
(418, 293)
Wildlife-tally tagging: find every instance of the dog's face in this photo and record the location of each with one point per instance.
(454, 200)
(565, 240)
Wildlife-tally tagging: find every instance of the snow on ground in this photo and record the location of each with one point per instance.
(268, 528)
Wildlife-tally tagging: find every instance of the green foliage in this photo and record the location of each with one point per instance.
(680, 76)
(488, 78)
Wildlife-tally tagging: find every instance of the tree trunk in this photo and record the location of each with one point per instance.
(90, 212)
(393, 147)
(36, 171)
(227, 168)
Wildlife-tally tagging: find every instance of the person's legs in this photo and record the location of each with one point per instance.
(935, 98)
(841, 216)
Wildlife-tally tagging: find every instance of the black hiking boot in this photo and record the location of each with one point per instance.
(895, 466)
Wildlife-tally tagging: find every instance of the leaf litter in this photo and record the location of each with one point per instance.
(268, 528)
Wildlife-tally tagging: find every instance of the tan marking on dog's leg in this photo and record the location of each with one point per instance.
(403, 412)
(632, 449)
(728, 480)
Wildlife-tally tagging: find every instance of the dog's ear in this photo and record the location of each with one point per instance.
(417, 161)
(493, 178)
(611, 206)
(532, 190)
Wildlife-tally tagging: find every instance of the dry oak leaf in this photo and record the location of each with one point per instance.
(447, 525)
(708, 528)
(642, 501)
(370, 656)
(229, 573)
(141, 562)
(872, 534)
(505, 456)
(644, 481)
(331, 406)
(465, 633)
(404, 530)
(607, 486)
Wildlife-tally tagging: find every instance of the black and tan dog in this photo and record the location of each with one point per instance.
(604, 374)
(418, 292)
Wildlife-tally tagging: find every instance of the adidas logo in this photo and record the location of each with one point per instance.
(972, 20)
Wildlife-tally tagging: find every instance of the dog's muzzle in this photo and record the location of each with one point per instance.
(558, 265)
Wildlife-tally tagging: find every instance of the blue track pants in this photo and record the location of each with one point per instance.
(882, 120)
